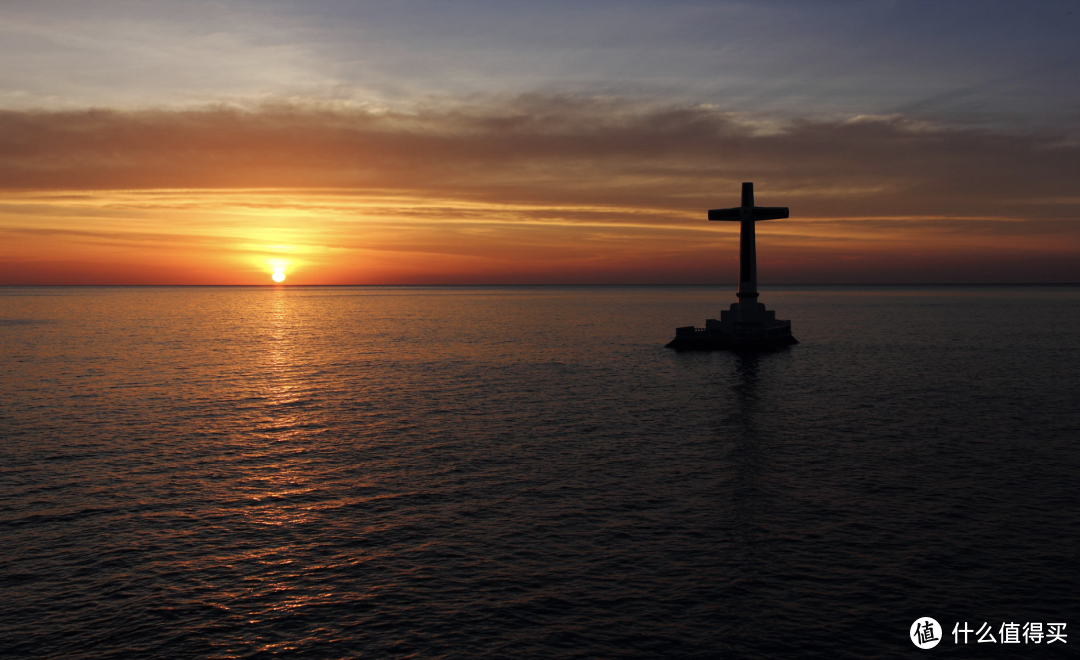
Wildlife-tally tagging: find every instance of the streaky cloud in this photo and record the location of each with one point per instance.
(534, 188)
(553, 150)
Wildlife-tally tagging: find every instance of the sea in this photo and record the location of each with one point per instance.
(527, 472)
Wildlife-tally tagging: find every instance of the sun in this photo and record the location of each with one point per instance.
(278, 276)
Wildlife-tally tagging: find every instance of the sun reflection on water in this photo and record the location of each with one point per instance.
(285, 419)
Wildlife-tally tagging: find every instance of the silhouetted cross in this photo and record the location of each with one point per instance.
(748, 214)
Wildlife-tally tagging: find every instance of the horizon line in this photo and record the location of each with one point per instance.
(535, 284)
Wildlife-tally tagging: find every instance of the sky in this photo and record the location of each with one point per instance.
(460, 142)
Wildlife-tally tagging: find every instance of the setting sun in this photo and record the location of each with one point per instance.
(278, 276)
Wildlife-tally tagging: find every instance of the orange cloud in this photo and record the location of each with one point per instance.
(533, 189)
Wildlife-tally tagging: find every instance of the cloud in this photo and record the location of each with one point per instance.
(531, 189)
(552, 150)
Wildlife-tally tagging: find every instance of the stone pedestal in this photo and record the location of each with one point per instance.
(752, 327)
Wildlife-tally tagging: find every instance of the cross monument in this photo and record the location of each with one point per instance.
(747, 324)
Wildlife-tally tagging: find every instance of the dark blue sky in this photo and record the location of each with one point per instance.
(971, 62)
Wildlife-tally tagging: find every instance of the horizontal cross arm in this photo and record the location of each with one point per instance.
(754, 213)
(725, 214)
(770, 212)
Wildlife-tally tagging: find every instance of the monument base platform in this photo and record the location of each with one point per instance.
(750, 328)
(706, 343)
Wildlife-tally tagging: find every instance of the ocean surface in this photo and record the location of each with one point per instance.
(526, 472)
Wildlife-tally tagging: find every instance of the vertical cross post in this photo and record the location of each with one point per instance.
(747, 248)
(747, 215)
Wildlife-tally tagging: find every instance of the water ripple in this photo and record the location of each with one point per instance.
(528, 473)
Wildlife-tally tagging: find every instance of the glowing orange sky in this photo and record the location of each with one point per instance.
(525, 190)
(173, 142)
